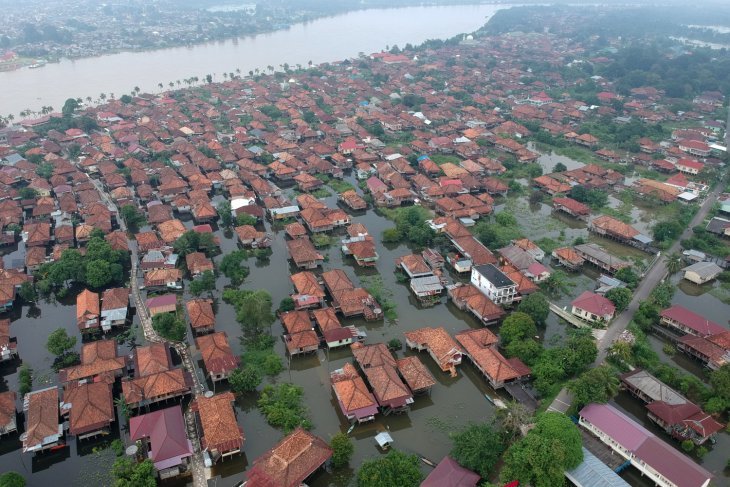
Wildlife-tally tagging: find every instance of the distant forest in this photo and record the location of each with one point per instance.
(647, 56)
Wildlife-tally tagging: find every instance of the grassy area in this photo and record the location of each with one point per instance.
(338, 185)
(443, 159)
(376, 287)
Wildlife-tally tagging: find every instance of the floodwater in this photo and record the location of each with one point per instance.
(452, 404)
(323, 40)
(548, 160)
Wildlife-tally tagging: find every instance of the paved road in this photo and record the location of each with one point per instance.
(656, 274)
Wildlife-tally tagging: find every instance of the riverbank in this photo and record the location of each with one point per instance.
(363, 31)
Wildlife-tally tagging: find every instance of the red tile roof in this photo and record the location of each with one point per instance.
(290, 462)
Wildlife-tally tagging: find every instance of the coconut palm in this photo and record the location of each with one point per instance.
(674, 262)
(160, 85)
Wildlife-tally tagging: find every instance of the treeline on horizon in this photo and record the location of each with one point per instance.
(648, 57)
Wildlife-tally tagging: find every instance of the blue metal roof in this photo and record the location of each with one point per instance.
(592, 472)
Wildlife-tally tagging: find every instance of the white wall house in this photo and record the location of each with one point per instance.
(499, 288)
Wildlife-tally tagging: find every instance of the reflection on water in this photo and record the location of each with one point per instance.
(453, 402)
(361, 31)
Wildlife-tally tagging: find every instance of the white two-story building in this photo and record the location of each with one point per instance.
(499, 288)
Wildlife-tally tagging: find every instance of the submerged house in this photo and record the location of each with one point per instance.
(89, 408)
(662, 464)
(288, 464)
(356, 402)
(380, 369)
(164, 440)
(480, 347)
(43, 426)
(442, 348)
(221, 436)
(674, 413)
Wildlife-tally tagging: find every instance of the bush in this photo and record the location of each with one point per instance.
(688, 446)
(391, 235)
(342, 450)
(395, 344)
(12, 479)
(244, 379)
(117, 446)
(286, 304)
(394, 469)
(282, 406)
(478, 448)
(169, 326)
(25, 380)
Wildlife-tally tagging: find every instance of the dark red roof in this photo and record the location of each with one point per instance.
(690, 319)
(448, 473)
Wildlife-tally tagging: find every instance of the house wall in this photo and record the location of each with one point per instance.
(583, 314)
(502, 295)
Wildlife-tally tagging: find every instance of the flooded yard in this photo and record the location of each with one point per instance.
(424, 430)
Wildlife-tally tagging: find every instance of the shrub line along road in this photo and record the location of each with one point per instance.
(652, 278)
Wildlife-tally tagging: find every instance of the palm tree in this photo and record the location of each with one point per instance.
(11, 117)
(674, 262)
(270, 68)
(88, 99)
(136, 89)
(620, 350)
(102, 96)
(160, 85)
(238, 70)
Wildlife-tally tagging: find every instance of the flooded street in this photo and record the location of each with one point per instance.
(424, 430)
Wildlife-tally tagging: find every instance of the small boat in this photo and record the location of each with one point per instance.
(428, 462)
(36, 65)
(497, 402)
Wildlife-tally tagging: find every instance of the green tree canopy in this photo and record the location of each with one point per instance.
(129, 473)
(342, 450)
(620, 297)
(244, 379)
(224, 213)
(512, 418)
(192, 241)
(396, 468)
(517, 326)
(537, 306)
(203, 283)
(169, 326)
(253, 309)
(542, 457)
(282, 405)
(478, 448)
(599, 384)
(629, 276)
(232, 266)
(245, 219)
(528, 350)
(132, 216)
(59, 342)
(12, 479)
